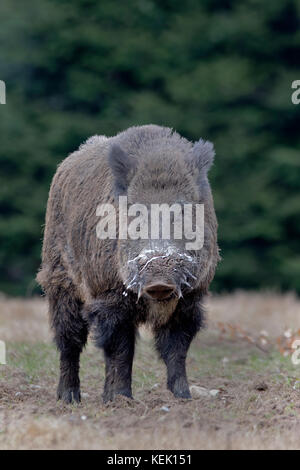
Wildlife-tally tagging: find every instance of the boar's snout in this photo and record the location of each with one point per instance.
(159, 290)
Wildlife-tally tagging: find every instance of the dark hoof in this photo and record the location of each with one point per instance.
(180, 388)
(111, 396)
(69, 395)
(182, 394)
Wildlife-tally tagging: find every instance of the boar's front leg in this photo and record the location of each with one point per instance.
(173, 341)
(115, 333)
(118, 366)
(70, 335)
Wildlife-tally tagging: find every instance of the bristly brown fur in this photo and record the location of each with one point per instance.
(84, 277)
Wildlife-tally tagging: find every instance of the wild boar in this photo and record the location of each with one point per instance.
(110, 286)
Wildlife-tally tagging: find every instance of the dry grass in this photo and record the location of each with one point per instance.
(23, 320)
(257, 407)
(254, 311)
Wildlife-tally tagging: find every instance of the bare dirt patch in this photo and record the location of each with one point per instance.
(256, 391)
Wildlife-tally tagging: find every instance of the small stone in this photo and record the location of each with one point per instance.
(198, 392)
(84, 418)
(165, 408)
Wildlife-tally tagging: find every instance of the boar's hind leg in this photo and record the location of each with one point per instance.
(172, 342)
(70, 335)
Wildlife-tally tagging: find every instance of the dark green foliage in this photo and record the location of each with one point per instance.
(221, 70)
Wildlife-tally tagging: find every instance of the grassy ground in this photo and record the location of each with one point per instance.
(249, 395)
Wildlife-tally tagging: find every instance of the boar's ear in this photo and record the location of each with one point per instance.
(202, 157)
(121, 165)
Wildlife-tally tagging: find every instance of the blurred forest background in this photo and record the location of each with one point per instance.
(221, 70)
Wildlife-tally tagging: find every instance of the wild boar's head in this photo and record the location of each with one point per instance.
(157, 260)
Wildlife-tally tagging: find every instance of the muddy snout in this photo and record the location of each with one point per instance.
(159, 290)
(162, 275)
